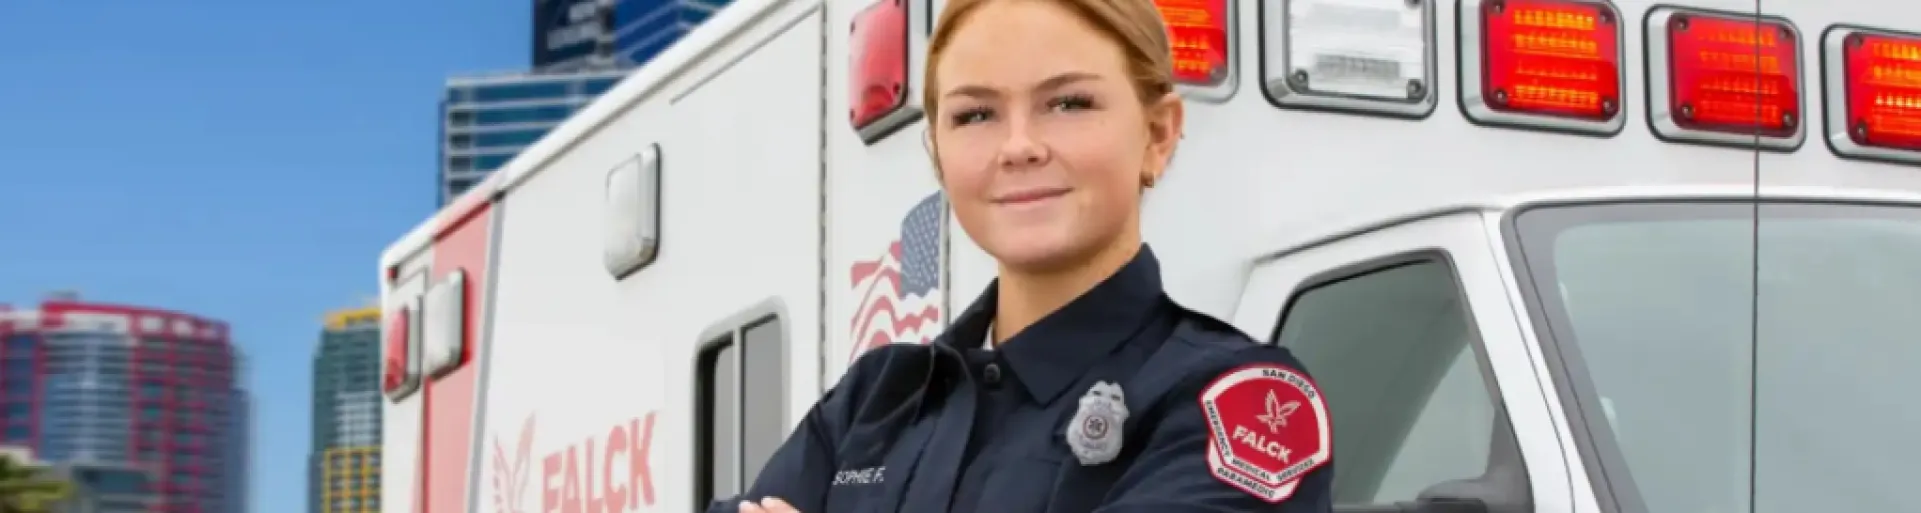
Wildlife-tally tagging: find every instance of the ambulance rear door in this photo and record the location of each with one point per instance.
(1408, 329)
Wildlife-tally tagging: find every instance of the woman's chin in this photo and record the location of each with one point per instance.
(1036, 253)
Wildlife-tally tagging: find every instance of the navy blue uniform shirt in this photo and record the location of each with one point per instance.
(1120, 402)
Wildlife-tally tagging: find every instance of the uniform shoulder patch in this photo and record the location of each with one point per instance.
(1267, 427)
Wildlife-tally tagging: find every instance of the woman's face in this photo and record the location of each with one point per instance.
(1041, 139)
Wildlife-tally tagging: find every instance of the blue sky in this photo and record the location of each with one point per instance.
(240, 160)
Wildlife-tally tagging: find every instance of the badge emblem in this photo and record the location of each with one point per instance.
(1095, 432)
(1267, 429)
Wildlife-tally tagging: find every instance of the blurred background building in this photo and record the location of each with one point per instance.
(105, 488)
(103, 389)
(487, 120)
(344, 466)
(586, 35)
(581, 48)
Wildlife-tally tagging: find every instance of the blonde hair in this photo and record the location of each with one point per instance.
(1133, 25)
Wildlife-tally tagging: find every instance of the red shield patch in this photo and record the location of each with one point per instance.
(1267, 428)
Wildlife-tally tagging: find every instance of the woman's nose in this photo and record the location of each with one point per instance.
(1021, 148)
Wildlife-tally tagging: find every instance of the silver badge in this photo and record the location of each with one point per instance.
(1095, 433)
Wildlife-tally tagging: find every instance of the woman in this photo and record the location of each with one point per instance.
(1073, 384)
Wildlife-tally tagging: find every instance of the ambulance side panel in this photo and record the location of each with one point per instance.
(581, 361)
(880, 195)
(401, 421)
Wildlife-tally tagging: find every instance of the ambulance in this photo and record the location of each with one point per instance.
(1542, 255)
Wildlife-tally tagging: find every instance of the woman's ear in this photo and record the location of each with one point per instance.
(1165, 118)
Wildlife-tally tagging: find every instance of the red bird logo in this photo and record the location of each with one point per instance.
(510, 474)
(1276, 416)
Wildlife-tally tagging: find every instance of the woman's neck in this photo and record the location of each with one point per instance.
(1025, 298)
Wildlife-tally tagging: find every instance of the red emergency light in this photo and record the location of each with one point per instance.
(1733, 74)
(1197, 31)
(397, 374)
(877, 80)
(1557, 58)
(1883, 87)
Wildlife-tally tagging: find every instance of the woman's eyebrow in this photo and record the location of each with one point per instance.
(1051, 83)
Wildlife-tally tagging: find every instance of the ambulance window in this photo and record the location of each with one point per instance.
(1396, 353)
(721, 394)
(1714, 362)
(743, 405)
(764, 400)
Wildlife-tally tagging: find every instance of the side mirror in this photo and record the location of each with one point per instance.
(1487, 494)
(1503, 489)
(1460, 496)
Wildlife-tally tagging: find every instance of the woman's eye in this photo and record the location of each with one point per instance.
(1072, 103)
(971, 116)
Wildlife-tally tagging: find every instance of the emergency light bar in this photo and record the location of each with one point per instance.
(1365, 56)
(1724, 78)
(400, 367)
(1872, 86)
(1200, 32)
(1545, 64)
(443, 321)
(880, 80)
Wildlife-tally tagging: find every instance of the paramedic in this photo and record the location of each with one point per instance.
(1073, 384)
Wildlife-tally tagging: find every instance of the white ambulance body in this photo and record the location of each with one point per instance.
(632, 313)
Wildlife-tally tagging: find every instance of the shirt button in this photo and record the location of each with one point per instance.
(991, 374)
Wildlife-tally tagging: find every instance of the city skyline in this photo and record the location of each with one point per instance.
(344, 469)
(130, 387)
(243, 162)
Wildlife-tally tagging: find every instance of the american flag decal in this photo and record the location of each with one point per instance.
(900, 291)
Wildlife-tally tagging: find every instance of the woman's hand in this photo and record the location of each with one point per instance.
(767, 505)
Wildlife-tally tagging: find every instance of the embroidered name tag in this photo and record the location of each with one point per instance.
(865, 476)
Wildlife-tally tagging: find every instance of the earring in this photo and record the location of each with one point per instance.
(1147, 181)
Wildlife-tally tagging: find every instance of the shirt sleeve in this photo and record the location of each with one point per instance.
(1250, 433)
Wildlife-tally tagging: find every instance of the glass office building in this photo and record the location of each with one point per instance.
(578, 35)
(581, 48)
(487, 120)
(93, 384)
(104, 488)
(344, 466)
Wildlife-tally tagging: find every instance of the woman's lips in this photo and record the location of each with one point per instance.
(1031, 196)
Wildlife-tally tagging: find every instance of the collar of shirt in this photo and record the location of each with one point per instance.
(1055, 352)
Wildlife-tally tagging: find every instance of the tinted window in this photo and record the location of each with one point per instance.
(595, 87)
(1396, 355)
(764, 394)
(517, 92)
(491, 162)
(1657, 303)
(743, 396)
(515, 138)
(459, 185)
(543, 114)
